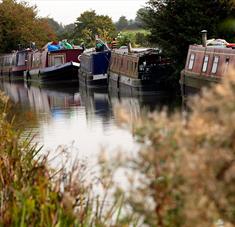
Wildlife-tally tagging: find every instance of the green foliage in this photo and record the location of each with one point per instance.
(27, 196)
(139, 17)
(142, 39)
(90, 24)
(19, 24)
(227, 29)
(122, 23)
(174, 25)
(68, 32)
(136, 37)
(124, 38)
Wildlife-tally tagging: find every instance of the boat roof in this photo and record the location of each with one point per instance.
(92, 51)
(137, 51)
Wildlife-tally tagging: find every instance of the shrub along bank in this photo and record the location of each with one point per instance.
(186, 166)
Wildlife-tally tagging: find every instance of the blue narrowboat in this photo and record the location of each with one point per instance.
(93, 69)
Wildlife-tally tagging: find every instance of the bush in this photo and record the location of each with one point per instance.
(186, 167)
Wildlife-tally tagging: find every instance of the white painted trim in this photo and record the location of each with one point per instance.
(99, 76)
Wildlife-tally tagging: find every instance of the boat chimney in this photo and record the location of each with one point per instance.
(129, 47)
(204, 37)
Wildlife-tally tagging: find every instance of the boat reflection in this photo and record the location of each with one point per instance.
(42, 99)
(100, 104)
(80, 117)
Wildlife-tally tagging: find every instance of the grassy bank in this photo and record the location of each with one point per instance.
(33, 194)
(28, 195)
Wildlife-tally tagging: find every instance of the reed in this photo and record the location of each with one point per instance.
(34, 194)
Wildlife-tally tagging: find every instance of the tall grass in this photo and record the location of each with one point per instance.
(33, 194)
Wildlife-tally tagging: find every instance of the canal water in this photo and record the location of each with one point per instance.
(79, 120)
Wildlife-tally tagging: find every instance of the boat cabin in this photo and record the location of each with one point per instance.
(143, 64)
(6, 61)
(14, 64)
(209, 61)
(43, 59)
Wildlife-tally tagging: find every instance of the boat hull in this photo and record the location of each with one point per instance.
(93, 81)
(134, 86)
(192, 83)
(65, 72)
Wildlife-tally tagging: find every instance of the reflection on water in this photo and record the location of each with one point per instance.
(79, 118)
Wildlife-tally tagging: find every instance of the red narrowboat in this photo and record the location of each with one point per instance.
(205, 66)
(58, 65)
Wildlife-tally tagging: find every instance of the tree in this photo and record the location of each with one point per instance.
(139, 17)
(142, 39)
(90, 24)
(68, 32)
(19, 24)
(58, 28)
(62, 32)
(174, 25)
(122, 23)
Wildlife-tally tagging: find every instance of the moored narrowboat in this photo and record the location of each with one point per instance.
(141, 71)
(13, 65)
(6, 61)
(206, 65)
(53, 65)
(93, 69)
(94, 66)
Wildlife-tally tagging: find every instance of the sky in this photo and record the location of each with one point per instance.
(66, 11)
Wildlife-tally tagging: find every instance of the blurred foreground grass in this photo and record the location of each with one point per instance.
(34, 194)
(184, 174)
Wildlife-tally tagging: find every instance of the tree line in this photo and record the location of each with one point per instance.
(20, 25)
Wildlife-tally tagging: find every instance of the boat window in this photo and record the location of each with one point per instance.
(14, 60)
(7, 61)
(133, 68)
(191, 61)
(215, 64)
(21, 59)
(130, 68)
(226, 66)
(127, 65)
(205, 63)
(136, 68)
(58, 60)
(120, 63)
